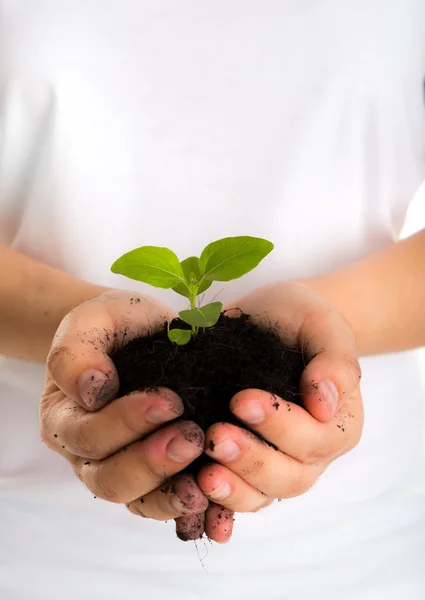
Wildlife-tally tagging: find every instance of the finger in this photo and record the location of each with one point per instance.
(219, 523)
(256, 462)
(79, 362)
(143, 466)
(224, 487)
(328, 382)
(294, 431)
(191, 527)
(306, 321)
(333, 373)
(177, 497)
(66, 425)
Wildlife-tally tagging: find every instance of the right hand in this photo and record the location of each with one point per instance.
(120, 448)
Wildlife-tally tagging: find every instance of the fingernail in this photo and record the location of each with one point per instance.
(222, 492)
(226, 451)
(177, 504)
(173, 400)
(251, 413)
(91, 386)
(329, 392)
(181, 451)
(158, 415)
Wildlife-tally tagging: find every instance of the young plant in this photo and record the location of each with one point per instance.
(223, 260)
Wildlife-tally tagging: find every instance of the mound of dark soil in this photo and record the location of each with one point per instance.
(233, 355)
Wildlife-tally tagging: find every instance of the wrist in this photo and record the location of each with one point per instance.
(34, 298)
(56, 307)
(333, 289)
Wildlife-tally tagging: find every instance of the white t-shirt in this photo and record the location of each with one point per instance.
(174, 123)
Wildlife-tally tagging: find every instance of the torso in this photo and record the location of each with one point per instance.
(174, 124)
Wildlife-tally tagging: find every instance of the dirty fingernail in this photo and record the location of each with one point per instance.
(158, 415)
(191, 527)
(177, 504)
(172, 399)
(251, 413)
(226, 451)
(93, 386)
(182, 451)
(330, 394)
(221, 492)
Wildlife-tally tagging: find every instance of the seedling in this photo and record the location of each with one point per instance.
(223, 260)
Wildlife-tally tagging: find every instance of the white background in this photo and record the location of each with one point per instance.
(416, 216)
(416, 221)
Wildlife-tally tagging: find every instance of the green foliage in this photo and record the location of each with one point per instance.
(232, 257)
(192, 273)
(205, 316)
(180, 336)
(223, 260)
(156, 266)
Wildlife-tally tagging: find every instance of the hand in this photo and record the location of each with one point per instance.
(120, 448)
(249, 474)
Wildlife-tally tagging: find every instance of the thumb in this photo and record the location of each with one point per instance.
(327, 383)
(333, 373)
(79, 361)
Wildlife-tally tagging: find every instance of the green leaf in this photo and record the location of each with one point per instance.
(182, 289)
(191, 266)
(156, 266)
(180, 336)
(232, 257)
(206, 316)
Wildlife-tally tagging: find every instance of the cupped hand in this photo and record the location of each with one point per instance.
(247, 474)
(127, 450)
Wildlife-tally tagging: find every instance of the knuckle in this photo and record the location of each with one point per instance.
(58, 355)
(300, 485)
(87, 443)
(100, 484)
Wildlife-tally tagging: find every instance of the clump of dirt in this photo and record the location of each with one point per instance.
(206, 373)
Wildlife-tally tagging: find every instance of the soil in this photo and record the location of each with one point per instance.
(233, 355)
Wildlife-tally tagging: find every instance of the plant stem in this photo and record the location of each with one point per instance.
(192, 299)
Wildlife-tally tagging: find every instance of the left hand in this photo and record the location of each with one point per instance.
(248, 474)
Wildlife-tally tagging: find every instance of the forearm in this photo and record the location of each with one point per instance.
(34, 298)
(382, 296)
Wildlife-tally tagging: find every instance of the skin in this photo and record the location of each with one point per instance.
(136, 433)
(128, 451)
(250, 475)
(125, 452)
